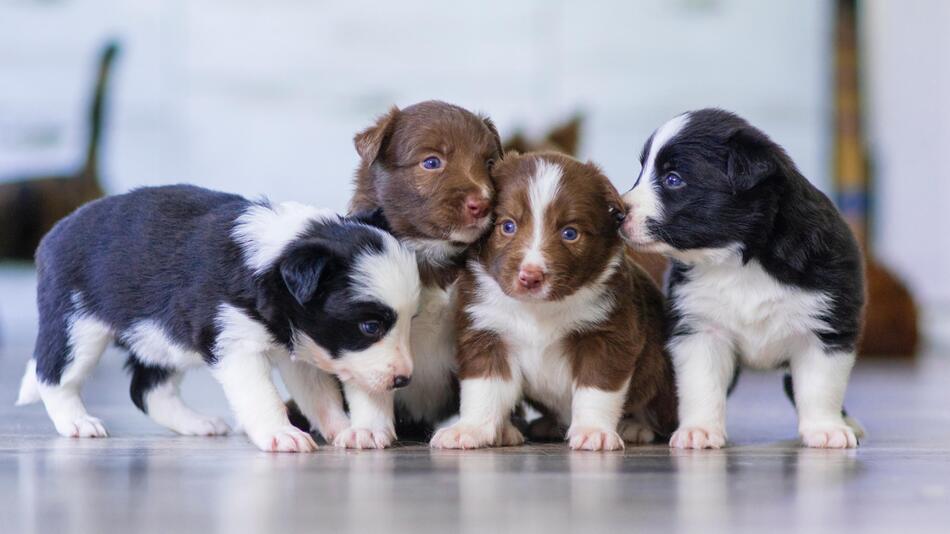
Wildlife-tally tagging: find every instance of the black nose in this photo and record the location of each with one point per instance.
(401, 381)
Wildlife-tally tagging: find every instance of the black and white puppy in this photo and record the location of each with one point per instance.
(181, 277)
(765, 273)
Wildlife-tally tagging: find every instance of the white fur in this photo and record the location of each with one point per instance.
(88, 338)
(317, 394)
(165, 407)
(545, 185)
(484, 414)
(434, 251)
(152, 346)
(596, 408)
(735, 309)
(29, 388)
(432, 341)
(391, 278)
(371, 417)
(264, 231)
(244, 371)
(643, 201)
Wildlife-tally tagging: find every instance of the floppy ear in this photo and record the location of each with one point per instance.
(494, 132)
(374, 218)
(370, 141)
(752, 159)
(302, 268)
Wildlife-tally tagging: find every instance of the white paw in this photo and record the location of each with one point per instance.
(635, 432)
(828, 436)
(284, 439)
(698, 437)
(84, 426)
(594, 439)
(203, 426)
(459, 436)
(510, 436)
(364, 438)
(332, 428)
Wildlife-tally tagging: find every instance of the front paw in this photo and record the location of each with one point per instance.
(698, 437)
(364, 438)
(828, 436)
(284, 439)
(594, 439)
(459, 436)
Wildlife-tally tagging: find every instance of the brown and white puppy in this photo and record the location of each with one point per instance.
(426, 170)
(552, 311)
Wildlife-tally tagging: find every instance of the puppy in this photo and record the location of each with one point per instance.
(426, 168)
(182, 277)
(552, 311)
(765, 273)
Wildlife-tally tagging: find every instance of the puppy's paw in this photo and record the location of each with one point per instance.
(829, 436)
(594, 439)
(203, 426)
(333, 427)
(364, 438)
(284, 439)
(84, 426)
(459, 436)
(698, 437)
(510, 436)
(635, 432)
(546, 428)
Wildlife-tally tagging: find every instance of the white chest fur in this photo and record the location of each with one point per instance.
(762, 317)
(534, 333)
(432, 341)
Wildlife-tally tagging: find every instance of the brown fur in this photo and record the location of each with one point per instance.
(30, 207)
(629, 344)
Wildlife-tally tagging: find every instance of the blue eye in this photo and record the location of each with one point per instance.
(431, 163)
(370, 328)
(508, 227)
(570, 233)
(673, 181)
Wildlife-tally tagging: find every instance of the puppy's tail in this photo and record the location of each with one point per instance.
(29, 388)
(856, 426)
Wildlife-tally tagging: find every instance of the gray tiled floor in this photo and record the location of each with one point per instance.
(143, 479)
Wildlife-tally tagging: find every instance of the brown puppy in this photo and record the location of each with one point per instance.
(552, 311)
(425, 170)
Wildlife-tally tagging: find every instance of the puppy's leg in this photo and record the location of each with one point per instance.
(594, 416)
(484, 415)
(87, 339)
(371, 419)
(635, 428)
(317, 395)
(705, 365)
(155, 390)
(246, 379)
(820, 382)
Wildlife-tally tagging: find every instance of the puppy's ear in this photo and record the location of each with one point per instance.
(494, 131)
(752, 159)
(374, 217)
(302, 268)
(370, 141)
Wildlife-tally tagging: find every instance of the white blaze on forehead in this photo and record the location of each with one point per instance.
(264, 231)
(643, 197)
(544, 188)
(390, 276)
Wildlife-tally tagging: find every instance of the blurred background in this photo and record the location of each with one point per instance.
(263, 98)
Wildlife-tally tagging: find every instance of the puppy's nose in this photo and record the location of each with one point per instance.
(477, 206)
(531, 277)
(401, 381)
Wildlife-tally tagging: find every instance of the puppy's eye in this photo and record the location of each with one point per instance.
(673, 181)
(370, 328)
(569, 233)
(508, 227)
(431, 163)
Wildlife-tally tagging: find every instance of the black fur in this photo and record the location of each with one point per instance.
(743, 188)
(167, 254)
(144, 378)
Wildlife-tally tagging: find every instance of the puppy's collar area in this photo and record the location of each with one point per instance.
(438, 252)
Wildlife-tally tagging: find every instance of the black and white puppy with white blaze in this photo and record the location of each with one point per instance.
(182, 277)
(765, 273)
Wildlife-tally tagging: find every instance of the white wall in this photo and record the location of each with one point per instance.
(908, 74)
(261, 96)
